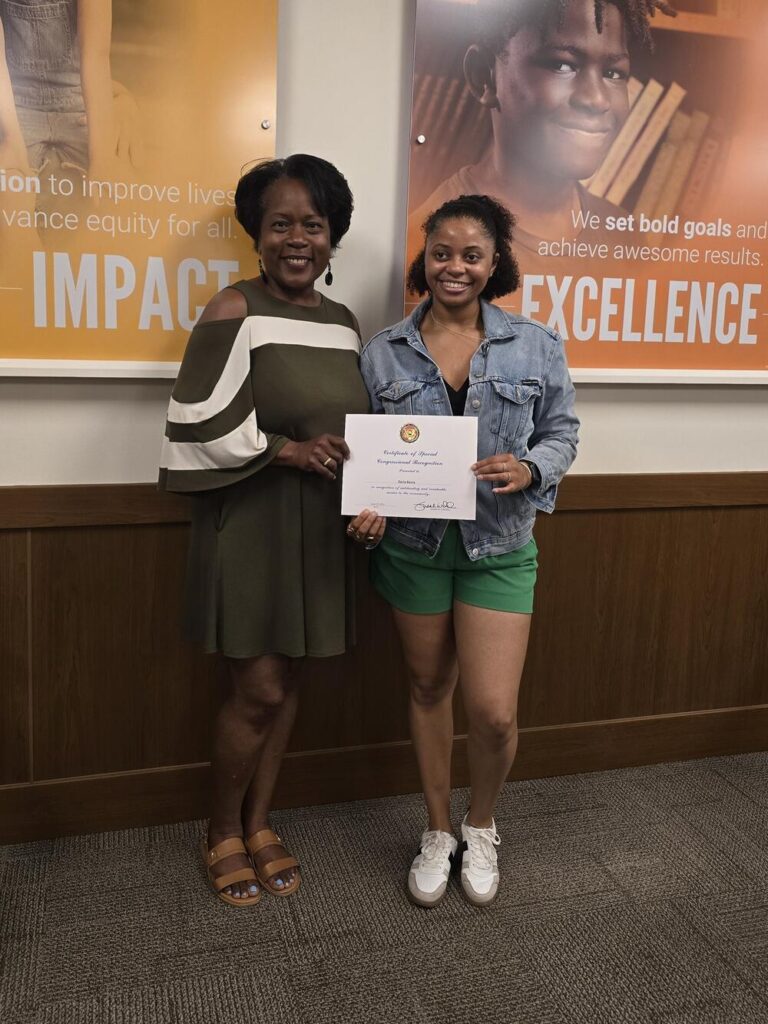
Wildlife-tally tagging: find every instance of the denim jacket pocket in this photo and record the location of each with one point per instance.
(513, 410)
(401, 396)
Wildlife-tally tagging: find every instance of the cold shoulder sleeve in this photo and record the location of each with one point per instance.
(212, 436)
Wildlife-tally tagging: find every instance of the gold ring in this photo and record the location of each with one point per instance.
(326, 461)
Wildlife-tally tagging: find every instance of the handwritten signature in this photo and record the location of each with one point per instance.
(422, 506)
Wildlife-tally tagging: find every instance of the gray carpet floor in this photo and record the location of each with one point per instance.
(628, 896)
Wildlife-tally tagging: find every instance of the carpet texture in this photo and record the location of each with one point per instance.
(628, 897)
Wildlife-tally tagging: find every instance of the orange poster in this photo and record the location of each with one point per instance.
(630, 140)
(124, 125)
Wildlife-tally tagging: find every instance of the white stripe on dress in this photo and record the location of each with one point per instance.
(254, 332)
(227, 452)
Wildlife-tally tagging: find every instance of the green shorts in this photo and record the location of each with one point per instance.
(413, 582)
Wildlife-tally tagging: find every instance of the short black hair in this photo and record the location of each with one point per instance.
(496, 221)
(326, 185)
(499, 20)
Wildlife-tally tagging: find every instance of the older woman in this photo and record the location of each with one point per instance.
(254, 429)
(462, 592)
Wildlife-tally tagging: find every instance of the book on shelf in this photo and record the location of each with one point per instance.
(637, 157)
(431, 98)
(457, 121)
(422, 90)
(634, 89)
(703, 172)
(662, 164)
(633, 126)
(449, 109)
(681, 167)
(741, 10)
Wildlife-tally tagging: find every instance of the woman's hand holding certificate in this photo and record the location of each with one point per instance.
(411, 467)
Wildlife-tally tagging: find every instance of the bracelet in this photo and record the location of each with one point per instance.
(530, 473)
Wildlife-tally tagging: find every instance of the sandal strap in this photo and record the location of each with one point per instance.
(226, 848)
(243, 875)
(264, 837)
(274, 867)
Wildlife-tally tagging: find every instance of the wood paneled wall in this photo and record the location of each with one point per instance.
(649, 642)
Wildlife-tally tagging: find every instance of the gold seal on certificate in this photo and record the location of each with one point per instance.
(414, 467)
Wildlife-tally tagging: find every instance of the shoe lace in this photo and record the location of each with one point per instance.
(435, 846)
(481, 843)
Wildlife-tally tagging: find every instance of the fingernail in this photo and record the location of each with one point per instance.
(253, 889)
(279, 883)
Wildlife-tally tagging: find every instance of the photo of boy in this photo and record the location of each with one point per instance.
(553, 75)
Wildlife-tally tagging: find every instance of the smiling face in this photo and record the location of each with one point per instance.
(294, 240)
(561, 92)
(459, 257)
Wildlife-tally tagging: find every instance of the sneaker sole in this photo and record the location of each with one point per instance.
(479, 899)
(425, 899)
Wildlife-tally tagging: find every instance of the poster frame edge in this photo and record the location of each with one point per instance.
(85, 368)
(641, 375)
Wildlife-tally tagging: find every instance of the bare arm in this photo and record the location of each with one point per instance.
(94, 32)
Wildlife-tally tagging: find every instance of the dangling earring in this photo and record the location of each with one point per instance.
(329, 276)
(262, 275)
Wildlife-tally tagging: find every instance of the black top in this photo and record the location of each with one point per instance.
(458, 399)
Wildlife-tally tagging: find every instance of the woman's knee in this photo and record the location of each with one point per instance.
(495, 726)
(260, 705)
(260, 691)
(428, 690)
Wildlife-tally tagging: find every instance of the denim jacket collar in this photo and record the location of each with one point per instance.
(495, 322)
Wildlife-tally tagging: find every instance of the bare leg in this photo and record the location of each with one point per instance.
(491, 649)
(259, 687)
(430, 656)
(258, 798)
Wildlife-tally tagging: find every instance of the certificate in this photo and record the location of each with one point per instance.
(414, 467)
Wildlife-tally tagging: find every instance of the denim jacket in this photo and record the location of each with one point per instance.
(521, 393)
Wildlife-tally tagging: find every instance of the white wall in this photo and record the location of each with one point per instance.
(343, 93)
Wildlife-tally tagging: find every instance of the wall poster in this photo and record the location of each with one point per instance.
(630, 139)
(124, 125)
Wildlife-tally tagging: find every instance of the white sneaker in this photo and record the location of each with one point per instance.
(479, 871)
(431, 868)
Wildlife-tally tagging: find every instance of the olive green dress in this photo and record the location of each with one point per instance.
(270, 566)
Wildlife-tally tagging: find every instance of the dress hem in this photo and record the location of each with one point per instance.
(286, 654)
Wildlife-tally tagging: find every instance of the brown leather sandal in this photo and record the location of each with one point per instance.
(224, 849)
(255, 843)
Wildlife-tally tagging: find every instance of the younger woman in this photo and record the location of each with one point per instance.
(462, 592)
